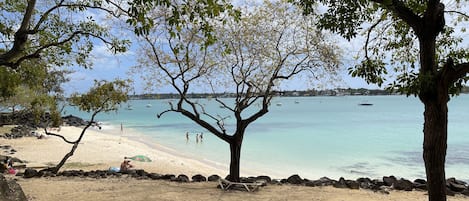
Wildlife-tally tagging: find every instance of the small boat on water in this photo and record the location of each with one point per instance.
(148, 105)
(279, 104)
(365, 103)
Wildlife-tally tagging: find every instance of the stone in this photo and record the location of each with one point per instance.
(420, 181)
(365, 183)
(311, 183)
(465, 192)
(141, 173)
(352, 184)
(198, 178)
(265, 178)
(10, 190)
(403, 184)
(325, 181)
(389, 181)
(168, 177)
(295, 179)
(29, 173)
(449, 192)
(340, 184)
(154, 176)
(455, 185)
(213, 178)
(182, 178)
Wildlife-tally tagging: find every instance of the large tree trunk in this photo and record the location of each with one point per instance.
(56, 169)
(435, 144)
(235, 148)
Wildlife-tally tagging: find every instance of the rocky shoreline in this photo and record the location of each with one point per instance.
(384, 185)
(26, 123)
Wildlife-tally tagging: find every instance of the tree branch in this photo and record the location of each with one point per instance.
(20, 39)
(403, 12)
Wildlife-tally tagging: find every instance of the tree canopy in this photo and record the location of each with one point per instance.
(250, 57)
(416, 41)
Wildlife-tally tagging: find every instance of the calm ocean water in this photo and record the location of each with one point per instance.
(314, 136)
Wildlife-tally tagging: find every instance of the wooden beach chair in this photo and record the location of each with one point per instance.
(250, 187)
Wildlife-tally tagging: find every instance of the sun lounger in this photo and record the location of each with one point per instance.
(250, 187)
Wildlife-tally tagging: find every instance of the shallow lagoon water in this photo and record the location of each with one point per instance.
(313, 136)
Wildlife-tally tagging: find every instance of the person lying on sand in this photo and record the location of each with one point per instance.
(125, 165)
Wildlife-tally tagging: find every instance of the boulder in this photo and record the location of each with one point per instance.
(198, 178)
(182, 178)
(389, 181)
(403, 184)
(465, 192)
(352, 184)
(265, 178)
(29, 173)
(365, 183)
(449, 192)
(213, 178)
(295, 179)
(154, 176)
(10, 190)
(455, 185)
(168, 177)
(340, 184)
(325, 181)
(141, 173)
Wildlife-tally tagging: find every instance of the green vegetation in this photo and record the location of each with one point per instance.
(104, 97)
(414, 40)
(251, 55)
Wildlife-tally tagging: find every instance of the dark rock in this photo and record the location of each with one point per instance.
(420, 181)
(420, 186)
(183, 178)
(66, 174)
(449, 192)
(403, 184)
(365, 183)
(352, 184)
(29, 173)
(455, 185)
(311, 183)
(154, 176)
(168, 177)
(283, 181)
(141, 173)
(340, 184)
(389, 181)
(465, 192)
(198, 178)
(10, 190)
(265, 178)
(295, 179)
(213, 178)
(325, 181)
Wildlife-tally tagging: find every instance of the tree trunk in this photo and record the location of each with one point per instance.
(235, 148)
(56, 169)
(435, 144)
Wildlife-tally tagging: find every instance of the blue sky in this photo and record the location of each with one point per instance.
(108, 67)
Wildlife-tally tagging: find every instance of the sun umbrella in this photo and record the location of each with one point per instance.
(140, 158)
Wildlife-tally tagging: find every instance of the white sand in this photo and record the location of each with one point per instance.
(101, 149)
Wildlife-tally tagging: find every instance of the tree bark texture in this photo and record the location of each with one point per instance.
(235, 149)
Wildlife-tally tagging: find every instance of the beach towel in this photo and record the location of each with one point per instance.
(114, 169)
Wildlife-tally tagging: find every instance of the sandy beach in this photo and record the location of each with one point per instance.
(101, 149)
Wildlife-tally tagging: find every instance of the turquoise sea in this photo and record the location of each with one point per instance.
(312, 136)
